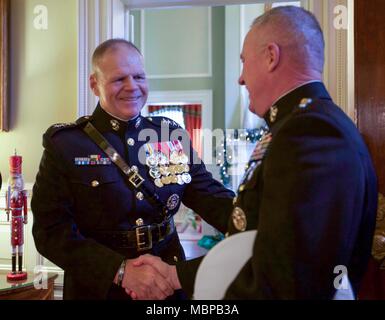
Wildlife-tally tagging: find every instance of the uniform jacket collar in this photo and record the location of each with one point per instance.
(286, 104)
(105, 122)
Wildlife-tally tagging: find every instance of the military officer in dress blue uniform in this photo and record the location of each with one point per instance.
(109, 185)
(310, 189)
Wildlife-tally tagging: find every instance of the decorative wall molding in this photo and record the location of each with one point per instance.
(207, 74)
(339, 53)
(98, 20)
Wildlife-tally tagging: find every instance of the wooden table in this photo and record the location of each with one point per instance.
(25, 289)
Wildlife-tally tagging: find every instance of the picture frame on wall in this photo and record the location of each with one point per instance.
(4, 22)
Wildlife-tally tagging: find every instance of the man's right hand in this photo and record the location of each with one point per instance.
(146, 282)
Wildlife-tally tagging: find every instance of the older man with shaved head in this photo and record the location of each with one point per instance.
(110, 183)
(310, 190)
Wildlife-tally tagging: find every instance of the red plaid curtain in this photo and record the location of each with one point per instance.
(152, 109)
(192, 114)
(193, 120)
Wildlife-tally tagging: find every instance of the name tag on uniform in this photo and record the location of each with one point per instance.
(92, 160)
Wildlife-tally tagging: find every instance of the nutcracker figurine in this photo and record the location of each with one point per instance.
(16, 206)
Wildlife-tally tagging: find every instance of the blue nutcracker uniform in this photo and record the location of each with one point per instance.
(312, 196)
(85, 211)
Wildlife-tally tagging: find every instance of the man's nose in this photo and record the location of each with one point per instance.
(241, 81)
(130, 83)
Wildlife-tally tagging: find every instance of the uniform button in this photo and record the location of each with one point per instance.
(134, 169)
(149, 118)
(95, 183)
(130, 142)
(139, 222)
(139, 196)
(241, 188)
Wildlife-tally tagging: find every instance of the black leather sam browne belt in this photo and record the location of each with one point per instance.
(141, 239)
(143, 236)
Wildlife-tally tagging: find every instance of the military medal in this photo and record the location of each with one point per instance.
(186, 178)
(174, 157)
(167, 163)
(180, 180)
(179, 169)
(184, 159)
(165, 180)
(158, 183)
(174, 179)
(154, 173)
(172, 170)
(162, 159)
(164, 171)
(152, 161)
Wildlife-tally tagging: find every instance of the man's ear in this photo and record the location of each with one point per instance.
(273, 57)
(94, 84)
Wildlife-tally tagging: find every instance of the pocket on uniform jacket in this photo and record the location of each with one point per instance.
(93, 192)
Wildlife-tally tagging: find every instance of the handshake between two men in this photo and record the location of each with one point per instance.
(149, 278)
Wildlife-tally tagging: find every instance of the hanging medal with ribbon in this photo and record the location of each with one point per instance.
(167, 163)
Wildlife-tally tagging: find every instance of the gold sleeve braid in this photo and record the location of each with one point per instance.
(378, 248)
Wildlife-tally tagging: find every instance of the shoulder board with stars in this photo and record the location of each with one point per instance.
(159, 121)
(61, 126)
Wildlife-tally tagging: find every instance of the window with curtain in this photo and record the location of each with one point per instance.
(188, 116)
(174, 112)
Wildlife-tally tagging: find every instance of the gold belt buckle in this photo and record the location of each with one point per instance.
(143, 231)
(136, 179)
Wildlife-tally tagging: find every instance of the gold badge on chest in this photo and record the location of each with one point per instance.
(239, 219)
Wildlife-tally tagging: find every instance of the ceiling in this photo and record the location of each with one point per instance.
(137, 4)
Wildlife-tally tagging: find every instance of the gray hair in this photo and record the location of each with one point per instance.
(111, 44)
(299, 31)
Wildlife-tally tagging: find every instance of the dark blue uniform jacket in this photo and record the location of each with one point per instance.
(71, 202)
(313, 200)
